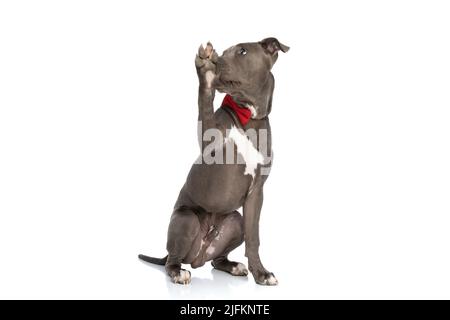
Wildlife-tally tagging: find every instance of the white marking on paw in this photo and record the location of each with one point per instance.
(247, 150)
(209, 77)
(183, 278)
(271, 281)
(239, 270)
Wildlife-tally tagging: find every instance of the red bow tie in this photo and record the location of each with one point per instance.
(243, 114)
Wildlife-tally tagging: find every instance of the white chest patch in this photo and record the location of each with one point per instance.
(253, 110)
(247, 150)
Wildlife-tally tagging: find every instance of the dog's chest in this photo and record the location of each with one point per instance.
(251, 148)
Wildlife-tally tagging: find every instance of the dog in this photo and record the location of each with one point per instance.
(205, 224)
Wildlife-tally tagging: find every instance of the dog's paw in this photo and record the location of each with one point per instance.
(205, 62)
(265, 278)
(184, 277)
(270, 280)
(239, 270)
(232, 267)
(206, 57)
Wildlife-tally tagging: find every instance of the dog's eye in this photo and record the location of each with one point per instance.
(242, 52)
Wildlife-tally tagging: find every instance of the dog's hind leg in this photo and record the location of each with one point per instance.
(231, 236)
(183, 230)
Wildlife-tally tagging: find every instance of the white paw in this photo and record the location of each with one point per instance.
(183, 278)
(239, 270)
(271, 281)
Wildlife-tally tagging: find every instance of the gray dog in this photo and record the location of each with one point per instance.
(205, 224)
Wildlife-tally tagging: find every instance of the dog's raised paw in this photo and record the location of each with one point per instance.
(206, 57)
(208, 51)
(205, 62)
(184, 277)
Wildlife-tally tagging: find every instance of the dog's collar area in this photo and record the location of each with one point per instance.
(243, 114)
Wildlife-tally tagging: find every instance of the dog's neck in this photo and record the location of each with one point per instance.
(259, 100)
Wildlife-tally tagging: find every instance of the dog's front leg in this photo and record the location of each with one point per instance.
(252, 211)
(205, 63)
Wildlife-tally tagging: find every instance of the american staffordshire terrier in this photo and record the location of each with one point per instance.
(230, 173)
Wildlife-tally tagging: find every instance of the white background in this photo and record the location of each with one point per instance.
(98, 131)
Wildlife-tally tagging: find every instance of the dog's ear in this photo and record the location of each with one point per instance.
(272, 46)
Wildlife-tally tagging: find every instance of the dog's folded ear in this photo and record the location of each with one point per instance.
(272, 45)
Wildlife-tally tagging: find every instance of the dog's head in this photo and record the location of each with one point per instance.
(243, 70)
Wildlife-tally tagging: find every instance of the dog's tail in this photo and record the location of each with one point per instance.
(158, 261)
